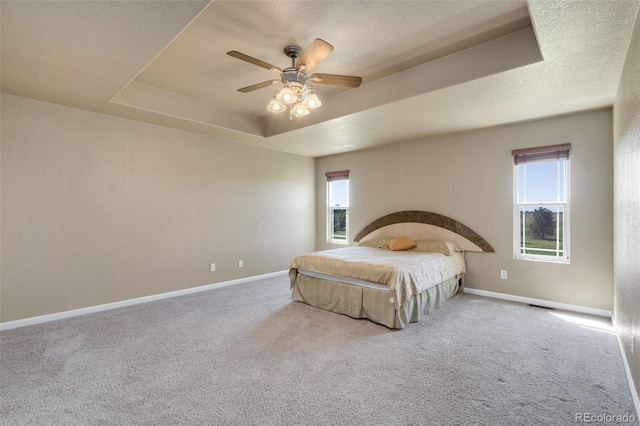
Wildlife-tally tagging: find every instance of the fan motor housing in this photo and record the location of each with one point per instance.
(293, 74)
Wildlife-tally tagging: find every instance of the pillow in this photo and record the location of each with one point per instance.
(436, 246)
(376, 242)
(452, 246)
(401, 243)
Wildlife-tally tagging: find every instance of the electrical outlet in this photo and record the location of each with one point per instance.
(503, 274)
(213, 267)
(240, 264)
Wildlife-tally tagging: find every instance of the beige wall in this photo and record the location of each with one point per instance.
(97, 209)
(627, 207)
(469, 177)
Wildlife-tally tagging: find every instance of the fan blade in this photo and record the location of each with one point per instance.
(337, 80)
(258, 86)
(317, 51)
(253, 61)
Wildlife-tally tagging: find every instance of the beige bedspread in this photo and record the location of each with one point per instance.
(405, 272)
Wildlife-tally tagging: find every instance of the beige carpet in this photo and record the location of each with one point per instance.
(250, 355)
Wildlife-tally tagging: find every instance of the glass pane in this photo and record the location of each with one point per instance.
(538, 182)
(339, 224)
(541, 231)
(338, 193)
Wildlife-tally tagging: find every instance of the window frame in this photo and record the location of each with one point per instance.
(550, 154)
(331, 178)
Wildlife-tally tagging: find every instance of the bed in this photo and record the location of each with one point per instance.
(390, 287)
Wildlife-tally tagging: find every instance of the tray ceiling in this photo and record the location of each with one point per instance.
(428, 67)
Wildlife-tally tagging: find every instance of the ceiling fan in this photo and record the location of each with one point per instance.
(296, 91)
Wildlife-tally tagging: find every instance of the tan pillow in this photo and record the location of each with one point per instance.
(435, 246)
(376, 242)
(401, 243)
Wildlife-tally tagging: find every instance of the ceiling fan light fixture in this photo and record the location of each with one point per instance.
(287, 96)
(299, 110)
(276, 106)
(311, 100)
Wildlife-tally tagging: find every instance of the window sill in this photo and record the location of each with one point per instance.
(535, 259)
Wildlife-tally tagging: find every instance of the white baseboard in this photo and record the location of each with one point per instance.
(627, 369)
(145, 299)
(540, 302)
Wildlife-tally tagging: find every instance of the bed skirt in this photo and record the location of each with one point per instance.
(371, 303)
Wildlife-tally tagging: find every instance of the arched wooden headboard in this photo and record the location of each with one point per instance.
(438, 226)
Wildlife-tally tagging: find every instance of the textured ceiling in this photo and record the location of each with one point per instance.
(428, 67)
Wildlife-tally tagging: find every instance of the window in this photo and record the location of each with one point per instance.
(541, 210)
(338, 207)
